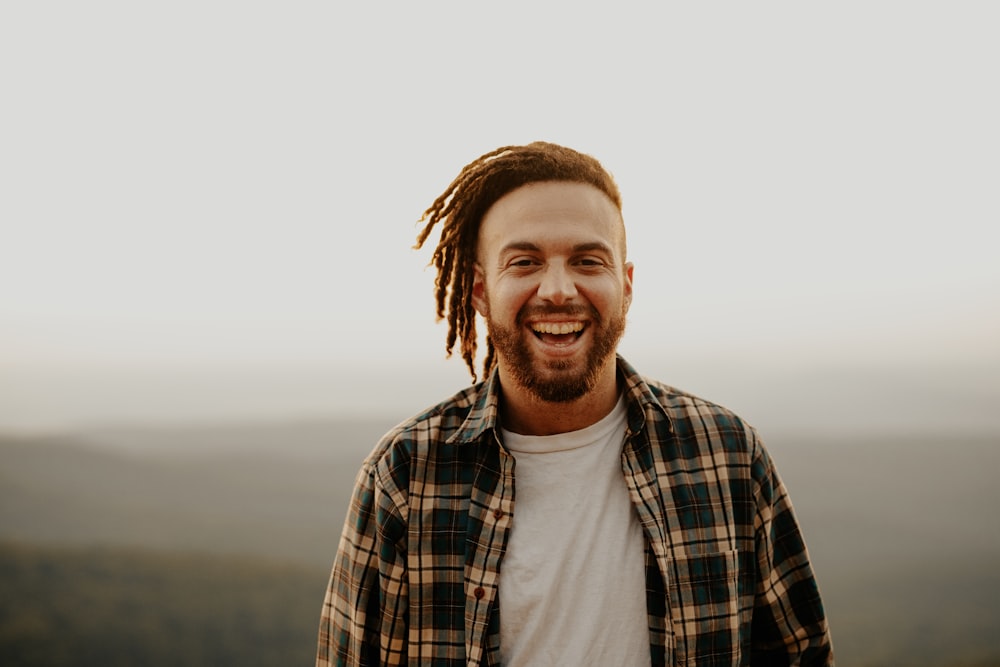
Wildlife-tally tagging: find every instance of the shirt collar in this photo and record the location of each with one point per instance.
(484, 415)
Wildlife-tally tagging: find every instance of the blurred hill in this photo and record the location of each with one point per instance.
(903, 531)
(121, 607)
(278, 491)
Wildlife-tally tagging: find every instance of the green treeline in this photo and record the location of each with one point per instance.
(103, 606)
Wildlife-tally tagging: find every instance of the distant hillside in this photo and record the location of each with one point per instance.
(113, 607)
(904, 532)
(277, 491)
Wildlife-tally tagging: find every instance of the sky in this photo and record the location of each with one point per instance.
(208, 207)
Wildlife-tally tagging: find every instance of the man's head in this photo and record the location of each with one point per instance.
(508, 185)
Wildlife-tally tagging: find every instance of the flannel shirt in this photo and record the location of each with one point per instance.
(419, 563)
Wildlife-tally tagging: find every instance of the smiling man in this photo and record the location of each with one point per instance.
(565, 510)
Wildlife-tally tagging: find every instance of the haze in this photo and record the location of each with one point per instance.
(208, 209)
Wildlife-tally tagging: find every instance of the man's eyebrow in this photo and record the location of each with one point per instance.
(520, 245)
(580, 247)
(593, 246)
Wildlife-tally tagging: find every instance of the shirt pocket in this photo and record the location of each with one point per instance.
(704, 609)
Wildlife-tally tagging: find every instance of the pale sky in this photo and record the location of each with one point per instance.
(191, 186)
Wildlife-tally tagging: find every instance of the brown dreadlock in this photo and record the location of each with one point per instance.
(460, 210)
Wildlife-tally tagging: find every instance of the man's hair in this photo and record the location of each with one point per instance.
(460, 210)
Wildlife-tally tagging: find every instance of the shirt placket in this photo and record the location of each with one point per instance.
(490, 515)
(640, 477)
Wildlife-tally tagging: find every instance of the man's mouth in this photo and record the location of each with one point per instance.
(557, 333)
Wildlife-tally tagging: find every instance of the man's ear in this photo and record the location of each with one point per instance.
(628, 284)
(479, 290)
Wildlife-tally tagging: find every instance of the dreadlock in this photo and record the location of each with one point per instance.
(460, 210)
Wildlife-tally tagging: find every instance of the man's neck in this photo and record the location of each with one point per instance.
(523, 412)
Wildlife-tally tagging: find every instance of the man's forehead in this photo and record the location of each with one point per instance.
(536, 210)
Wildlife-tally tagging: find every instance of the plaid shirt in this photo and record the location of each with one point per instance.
(417, 570)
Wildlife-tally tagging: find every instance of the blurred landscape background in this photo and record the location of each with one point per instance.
(210, 307)
(211, 544)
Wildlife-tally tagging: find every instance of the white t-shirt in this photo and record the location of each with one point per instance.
(572, 582)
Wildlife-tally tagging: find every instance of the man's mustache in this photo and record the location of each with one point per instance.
(569, 310)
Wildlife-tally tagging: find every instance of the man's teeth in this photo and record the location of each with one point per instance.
(557, 328)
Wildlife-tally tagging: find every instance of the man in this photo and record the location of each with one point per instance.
(564, 511)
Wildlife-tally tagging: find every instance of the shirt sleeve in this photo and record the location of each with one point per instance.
(789, 623)
(363, 621)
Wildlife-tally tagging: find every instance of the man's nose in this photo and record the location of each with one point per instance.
(557, 285)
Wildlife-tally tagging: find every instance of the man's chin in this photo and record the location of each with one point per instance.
(559, 392)
(557, 382)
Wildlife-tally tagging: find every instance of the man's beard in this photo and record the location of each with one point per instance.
(560, 384)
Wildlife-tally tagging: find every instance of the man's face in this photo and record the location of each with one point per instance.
(553, 285)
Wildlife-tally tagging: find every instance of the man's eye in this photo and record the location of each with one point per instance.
(523, 262)
(590, 261)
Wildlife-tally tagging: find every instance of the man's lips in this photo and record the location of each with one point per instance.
(557, 334)
(557, 327)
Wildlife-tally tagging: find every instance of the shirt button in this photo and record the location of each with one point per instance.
(498, 513)
(479, 592)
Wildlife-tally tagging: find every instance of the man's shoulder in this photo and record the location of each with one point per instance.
(435, 425)
(690, 417)
(447, 416)
(678, 400)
